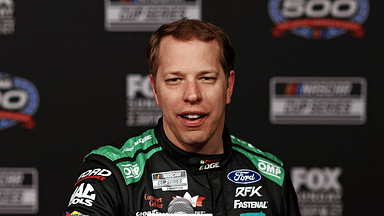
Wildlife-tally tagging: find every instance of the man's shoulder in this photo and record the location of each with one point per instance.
(127, 148)
(266, 163)
(248, 147)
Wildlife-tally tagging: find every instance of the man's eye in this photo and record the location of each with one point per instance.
(173, 80)
(208, 78)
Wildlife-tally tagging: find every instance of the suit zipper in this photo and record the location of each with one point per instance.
(213, 194)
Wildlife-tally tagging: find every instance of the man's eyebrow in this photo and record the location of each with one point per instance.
(172, 73)
(203, 72)
(200, 73)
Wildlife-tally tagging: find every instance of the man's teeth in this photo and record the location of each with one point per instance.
(192, 116)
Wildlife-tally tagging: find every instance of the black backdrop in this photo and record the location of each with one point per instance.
(79, 69)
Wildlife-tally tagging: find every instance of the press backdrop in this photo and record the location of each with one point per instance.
(309, 82)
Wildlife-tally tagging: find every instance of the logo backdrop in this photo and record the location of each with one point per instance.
(309, 77)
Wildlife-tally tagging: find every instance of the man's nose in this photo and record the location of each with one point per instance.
(192, 93)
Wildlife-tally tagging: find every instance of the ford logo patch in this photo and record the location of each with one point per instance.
(243, 176)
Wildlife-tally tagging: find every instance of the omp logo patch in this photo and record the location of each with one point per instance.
(19, 100)
(269, 169)
(131, 171)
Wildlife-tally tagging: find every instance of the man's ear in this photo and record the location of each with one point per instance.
(154, 88)
(231, 83)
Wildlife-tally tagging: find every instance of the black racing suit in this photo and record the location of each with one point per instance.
(144, 174)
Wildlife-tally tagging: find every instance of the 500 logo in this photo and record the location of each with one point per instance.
(19, 100)
(318, 19)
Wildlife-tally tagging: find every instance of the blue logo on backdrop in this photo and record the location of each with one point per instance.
(19, 100)
(318, 19)
(244, 176)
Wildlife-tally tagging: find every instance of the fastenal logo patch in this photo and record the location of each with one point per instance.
(142, 109)
(19, 100)
(148, 15)
(318, 100)
(318, 19)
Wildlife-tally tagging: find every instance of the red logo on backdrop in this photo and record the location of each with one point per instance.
(19, 100)
(318, 19)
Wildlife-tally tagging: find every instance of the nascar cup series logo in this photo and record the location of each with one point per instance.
(318, 19)
(19, 100)
(318, 100)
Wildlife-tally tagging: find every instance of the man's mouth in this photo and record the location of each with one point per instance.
(192, 116)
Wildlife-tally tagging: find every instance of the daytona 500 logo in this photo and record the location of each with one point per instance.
(318, 19)
(19, 100)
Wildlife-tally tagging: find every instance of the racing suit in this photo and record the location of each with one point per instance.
(144, 174)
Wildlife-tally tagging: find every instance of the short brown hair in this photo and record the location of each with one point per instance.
(187, 29)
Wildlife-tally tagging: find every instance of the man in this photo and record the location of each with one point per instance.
(189, 159)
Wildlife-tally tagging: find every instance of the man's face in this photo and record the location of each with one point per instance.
(192, 92)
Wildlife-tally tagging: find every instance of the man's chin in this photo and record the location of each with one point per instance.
(194, 145)
(194, 142)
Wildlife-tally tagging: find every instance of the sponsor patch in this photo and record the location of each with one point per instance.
(147, 15)
(131, 171)
(318, 19)
(153, 201)
(170, 181)
(244, 176)
(99, 174)
(238, 204)
(248, 191)
(318, 100)
(75, 213)
(19, 191)
(253, 214)
(83, 194)
(269, 169)
(210, 164)
(146, 213)
(196, 201)
(19, 100)
(139, 141)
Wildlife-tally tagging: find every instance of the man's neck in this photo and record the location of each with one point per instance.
(211, 148)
